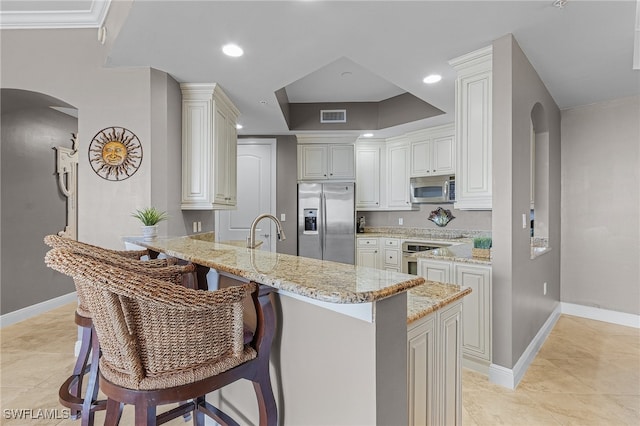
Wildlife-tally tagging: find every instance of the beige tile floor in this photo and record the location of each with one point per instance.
(587, 373)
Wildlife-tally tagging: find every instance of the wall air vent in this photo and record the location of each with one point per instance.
(333, 115)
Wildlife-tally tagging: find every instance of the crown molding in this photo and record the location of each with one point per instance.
(93, 17)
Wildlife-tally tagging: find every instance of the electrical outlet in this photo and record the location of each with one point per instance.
(544, 289)
(283, 217)
(195, 226)
(524, 221)
(199, 226)
(400, 221)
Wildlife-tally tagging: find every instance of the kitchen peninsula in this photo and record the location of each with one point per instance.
(341, 354)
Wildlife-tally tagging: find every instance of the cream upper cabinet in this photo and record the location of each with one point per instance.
(433, 151)
(326, 162)
(209, 147)
(473, 130)
(369, 175)
(398, 197)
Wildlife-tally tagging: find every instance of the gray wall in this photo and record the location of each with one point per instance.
(519, 307)
(464, 219)
(32, 205)
(601, 205)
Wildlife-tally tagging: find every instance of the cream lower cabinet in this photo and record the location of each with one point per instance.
(390, 250)
(477, 314)
(367, 252)
(434, 350)
(477, 328)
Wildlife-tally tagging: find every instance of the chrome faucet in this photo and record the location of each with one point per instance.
(252, 232)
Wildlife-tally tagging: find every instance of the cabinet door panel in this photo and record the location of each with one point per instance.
(341, 162)
(368, 257)
(477, 315)
(367, 177)
(422, 373)
(398, 158)
(421, 158)
(312, 162)
(450, 345)
(434, 270)
(443, 155)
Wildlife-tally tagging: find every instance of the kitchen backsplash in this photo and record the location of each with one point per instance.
(464, 219)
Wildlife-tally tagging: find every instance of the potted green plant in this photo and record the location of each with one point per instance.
(150, 217)
(482, 247)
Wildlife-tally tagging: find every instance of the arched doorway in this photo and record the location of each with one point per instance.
(32, 205)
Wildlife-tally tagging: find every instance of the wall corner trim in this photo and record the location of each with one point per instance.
(599, 314)
(510, 378)
(37, 309)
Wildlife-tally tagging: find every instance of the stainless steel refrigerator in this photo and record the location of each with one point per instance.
(326, 221)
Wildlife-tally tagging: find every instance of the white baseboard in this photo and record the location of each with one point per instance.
(598, 314)
(510, 378)
(37, 309)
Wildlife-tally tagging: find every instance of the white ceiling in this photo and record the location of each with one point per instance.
(583, 52)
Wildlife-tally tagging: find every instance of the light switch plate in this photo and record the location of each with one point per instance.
(283, 217)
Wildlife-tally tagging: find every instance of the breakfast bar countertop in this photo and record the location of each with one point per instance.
(316, 279)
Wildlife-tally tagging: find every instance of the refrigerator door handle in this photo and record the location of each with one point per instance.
(323, 240)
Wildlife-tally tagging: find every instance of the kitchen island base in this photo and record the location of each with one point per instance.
(329, 368)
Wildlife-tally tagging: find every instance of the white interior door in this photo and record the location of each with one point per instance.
(256, 194)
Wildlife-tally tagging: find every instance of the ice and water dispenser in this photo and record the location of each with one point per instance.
(310, 221)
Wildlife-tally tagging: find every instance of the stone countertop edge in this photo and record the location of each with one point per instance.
(320, 280)
(431, 296)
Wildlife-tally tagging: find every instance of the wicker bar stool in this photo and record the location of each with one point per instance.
(152, 355)
(70, 391)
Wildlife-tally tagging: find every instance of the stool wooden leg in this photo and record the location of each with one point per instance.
(79, 369)
(266, 400)
(114, 412)
(92, 386)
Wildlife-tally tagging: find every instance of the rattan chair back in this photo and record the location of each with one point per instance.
(146, 326)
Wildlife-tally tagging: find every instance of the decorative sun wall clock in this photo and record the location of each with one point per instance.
(115, 153)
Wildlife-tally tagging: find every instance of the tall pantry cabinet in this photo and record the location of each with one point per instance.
(473, 129)
(209, 148)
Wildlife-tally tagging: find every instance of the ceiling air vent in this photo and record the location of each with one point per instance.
(333, 115)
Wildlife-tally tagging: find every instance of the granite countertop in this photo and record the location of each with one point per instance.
(321, 280)
(458, 251)
(431, 296)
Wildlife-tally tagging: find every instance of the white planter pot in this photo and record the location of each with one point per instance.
(149, 233)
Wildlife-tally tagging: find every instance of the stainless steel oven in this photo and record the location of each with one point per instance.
(409, 251)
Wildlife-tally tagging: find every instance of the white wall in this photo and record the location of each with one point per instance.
(601, 205)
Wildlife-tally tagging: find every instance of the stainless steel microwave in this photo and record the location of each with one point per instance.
(433, 189)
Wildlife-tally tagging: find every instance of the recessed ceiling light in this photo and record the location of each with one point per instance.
(238, 126)
(232, 50)
(433, 78)
(367, 135)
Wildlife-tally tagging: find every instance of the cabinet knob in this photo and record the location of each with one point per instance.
(331, 174)
(434, 171)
